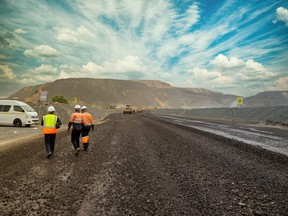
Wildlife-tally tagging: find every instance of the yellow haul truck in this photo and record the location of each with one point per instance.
(128, 109)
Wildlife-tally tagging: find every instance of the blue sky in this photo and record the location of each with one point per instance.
(235, 47)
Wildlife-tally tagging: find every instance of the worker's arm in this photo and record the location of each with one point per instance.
(42, 122)
(58, 123)
(92, 124)
(69, 126)
(70, 122)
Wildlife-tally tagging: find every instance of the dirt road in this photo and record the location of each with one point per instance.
(140, 165)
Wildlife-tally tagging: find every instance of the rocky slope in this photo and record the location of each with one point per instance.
(276, 115)
(146, 93)
(149, 93)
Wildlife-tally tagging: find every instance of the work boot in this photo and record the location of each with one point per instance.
(77, 151)
(49, 154)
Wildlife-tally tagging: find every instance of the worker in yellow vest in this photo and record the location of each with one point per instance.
(50, 123)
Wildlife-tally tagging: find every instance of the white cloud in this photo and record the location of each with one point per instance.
(20, 31)
(244, 70)
(185, 21)
(255, 65)
(234, 73)
(223, 62)
(165, 75)
(45, 69)
(281, 15)
(42, 51)
(41, 74)
(282, 84)
(203, 73)
(27, 81)
(63, 75)
(74, 37)
(93, 67)
(127, 64)
(203, 78)
(6, 72)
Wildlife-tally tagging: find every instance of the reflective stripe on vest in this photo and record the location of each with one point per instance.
(76, 118)
(49, 124)
(85, 139)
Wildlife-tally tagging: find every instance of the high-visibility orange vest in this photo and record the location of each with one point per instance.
(49, 124)
(76, 118)
(87, 119)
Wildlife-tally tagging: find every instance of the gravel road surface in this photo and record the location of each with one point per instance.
(140, 165)
(268, 137)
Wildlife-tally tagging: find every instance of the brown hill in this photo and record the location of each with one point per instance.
(149, 93)
(269, 98)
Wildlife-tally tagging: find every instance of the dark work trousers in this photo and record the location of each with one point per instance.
(75, 138)
(50, 142)
(85, 132)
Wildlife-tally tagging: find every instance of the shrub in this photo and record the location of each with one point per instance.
(59, 99)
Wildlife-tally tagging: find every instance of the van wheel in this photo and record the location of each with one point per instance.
(17, 123)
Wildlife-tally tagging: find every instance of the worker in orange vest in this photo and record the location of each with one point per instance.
(76, 120)
(50, 123)
(88, 123)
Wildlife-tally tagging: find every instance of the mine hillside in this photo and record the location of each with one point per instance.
(146, 93)
(106, 96)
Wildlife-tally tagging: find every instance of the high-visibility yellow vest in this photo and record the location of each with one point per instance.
(49, 124)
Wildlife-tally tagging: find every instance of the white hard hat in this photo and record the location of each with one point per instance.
(51, 109)
(77, 107)
(84, 107)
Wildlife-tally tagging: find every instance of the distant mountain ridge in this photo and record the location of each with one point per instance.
(147, 93)
(269, 98)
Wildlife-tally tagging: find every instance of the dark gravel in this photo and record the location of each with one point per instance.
(138, 165)
(275, 115)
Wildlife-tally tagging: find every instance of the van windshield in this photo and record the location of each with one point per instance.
(28, 108)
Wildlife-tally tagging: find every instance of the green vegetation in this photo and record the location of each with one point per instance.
(59, 99)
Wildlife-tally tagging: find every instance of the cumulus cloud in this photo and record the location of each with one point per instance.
(233, 72)
(6, 72)
(43, 73)
(224, 62)
(73, 37)
(63, 75)
(127, 64)
(45, 69)
(93, 67)
(27, 81)
(281, 15)
(255, 66)
(201, 77)
(42, 51)
(245, 70)
(203, 73)
(282, 84)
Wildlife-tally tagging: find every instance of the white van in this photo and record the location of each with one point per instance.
(17, 113)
